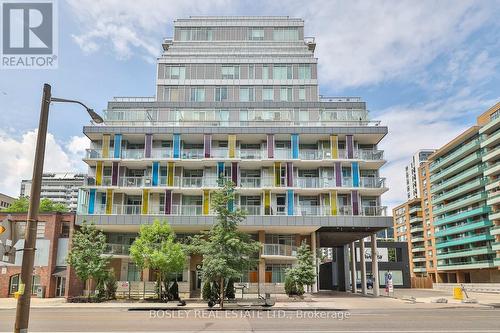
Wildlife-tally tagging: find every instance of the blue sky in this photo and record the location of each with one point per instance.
(425, 68)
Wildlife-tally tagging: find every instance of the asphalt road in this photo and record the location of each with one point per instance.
(454, 320)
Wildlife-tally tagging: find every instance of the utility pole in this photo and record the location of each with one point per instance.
(23, 302)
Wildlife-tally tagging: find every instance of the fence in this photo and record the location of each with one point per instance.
(144, 289)
(421, 282)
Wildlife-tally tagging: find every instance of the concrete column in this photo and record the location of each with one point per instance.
(314, 250)
(354, 288)
(363, 265)
(376, 291)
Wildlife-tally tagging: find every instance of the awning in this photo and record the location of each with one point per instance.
(60, 272)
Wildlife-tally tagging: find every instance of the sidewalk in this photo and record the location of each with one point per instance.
(423, 298)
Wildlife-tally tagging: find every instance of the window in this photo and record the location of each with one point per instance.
(302, 93)
(230, 72)
(304, 72)
(267, 94)
(13, 284)
(285, 34)
(220, 94)
(281, 72)
(246, 94)
(256, 34)
(177, 72)
(35, 283)
(196, 34)
(197, 94)
(251, 72)
(65, 230)
(265, 72)
(286, 94)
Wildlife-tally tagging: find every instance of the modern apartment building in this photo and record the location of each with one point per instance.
(60, 187)
(411, 172)
(463, 174)
(237, 98)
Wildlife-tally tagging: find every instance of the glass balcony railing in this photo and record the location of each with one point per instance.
(284, 154)
(250, 182)
(251, 210)
(117, 249)
(127, 209)
(93, 153)
(251, 154)
(133, 154)
(279, 250)
(187, 210)
(192, 182)
(161, 153)
(139, 181)
(190, 154)
(307, 182)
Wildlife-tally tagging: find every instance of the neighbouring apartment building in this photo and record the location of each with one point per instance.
(237, 98)
(459, 204)
(60, 187)
(5, 201)
(51, 275)
(411, 172)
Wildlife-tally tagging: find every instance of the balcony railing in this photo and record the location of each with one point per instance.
(117, 249)
(135, 181)
(250, 182)
(127, 209)
(251, 210)
(195, 154)
(282, 153)
(307, 182)
(279, 250)
(133, 154)
(374, 210)
(93, 153)
(251, 154)
(219, 152)
(187, 210)
(161, 153)
(192, 182)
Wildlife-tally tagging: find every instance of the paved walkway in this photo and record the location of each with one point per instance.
(402, 298)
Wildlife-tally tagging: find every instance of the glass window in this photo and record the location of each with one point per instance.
(302, 93)
(267, 94)
(256, 34)
(35, 283)
(220, 94)
(230, 72)
(177, 73)
(286, 94)
(288, 33)
(282, 72)
(197, 94)
(246, 94)
(251, 72)
(265, 72)
(13, 284)
(304, 72)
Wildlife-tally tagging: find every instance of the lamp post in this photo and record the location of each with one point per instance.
(23, 301)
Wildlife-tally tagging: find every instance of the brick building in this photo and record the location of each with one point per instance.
(51, 272)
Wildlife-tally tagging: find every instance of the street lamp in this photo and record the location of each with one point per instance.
(24, 299)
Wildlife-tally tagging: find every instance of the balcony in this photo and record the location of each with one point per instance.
(462, 164)
(127, 209)
(307, 182)
(93, 153)
(219, 152)
(416, 229)
(460, 178)
(301, 210)
(372, 182)
(160, 153)
(462, 228)
(492, 140)
(279, 250)
(117, 249)
(187, 210)
(251, 210)
(457, 191)
(460, 152)
(464, 252)
(492, 169)
(418, 249)
(369, 154)
(461, 215)
(417, 239)
(374, 210)
(461, 202)
(132, 154)
(440, 243)
(314, 154)
(495, 230)
(250, 182)
(193, 154)
(129, 181)
(467, 265)
(251, 154)
(194, 182)
(282, 154)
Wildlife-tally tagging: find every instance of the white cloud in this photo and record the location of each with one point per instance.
(358, 42)
(18, 153)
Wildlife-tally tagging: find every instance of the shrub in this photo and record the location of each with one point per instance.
(230, 292)
(174, 292)
(206, 292)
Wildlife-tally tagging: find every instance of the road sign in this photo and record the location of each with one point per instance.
(7, 241)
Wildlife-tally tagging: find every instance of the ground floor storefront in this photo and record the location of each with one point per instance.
(485, 275)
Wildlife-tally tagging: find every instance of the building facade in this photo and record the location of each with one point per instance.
(5, 201)
(237, 99)
(411, 173)
(51, 272)
(60, 187)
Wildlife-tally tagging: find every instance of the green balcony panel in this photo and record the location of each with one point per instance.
(461, 216)
(463, 240)
(472, 265)
(465, 253)
(463, 163)
(456, 180)
(454, 156)
(463, 202)
(462, 189)
(463, 228)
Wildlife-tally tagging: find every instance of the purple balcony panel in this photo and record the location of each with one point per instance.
(338, 174)
(168, 202)
(234, 173)
(115, 170)
(207, 144)
(355, 203)
(147, 145)
(350, 146)
(289, 174)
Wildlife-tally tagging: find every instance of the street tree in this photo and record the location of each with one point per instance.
(86, 254)
(226, 251)
(303, 273)
(21, 205)
(156, 248)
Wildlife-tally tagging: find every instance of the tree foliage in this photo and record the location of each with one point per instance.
(86, 252)
(155, 248)
(302, 274)
(21, 205)
(226, 251)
